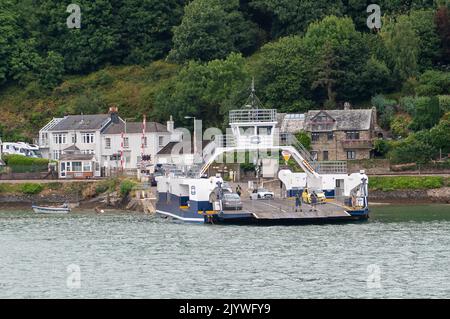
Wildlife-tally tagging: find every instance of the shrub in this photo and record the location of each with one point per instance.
(106, 185)
(21, 164)
(31, 189)
(304, 139)
(389, 183)
(126, 187)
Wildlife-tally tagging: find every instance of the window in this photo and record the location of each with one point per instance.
(330, 136)
(126, 142)
(315, 137)
(56, 154)
(88, 152)
(74, 138)
(59, 138)
(108, 143)
(264, 130)
(87, 167)
(161, 141)
(351, 155)
(76, 166)
(352, 135)
(87, 138)
(325, 155)
(314, 155)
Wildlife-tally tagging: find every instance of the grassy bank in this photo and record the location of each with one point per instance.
(391, 183)
(38, 188)
(83, 189)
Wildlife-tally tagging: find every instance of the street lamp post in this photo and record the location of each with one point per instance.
(196, 146)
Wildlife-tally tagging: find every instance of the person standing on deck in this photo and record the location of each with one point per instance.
(239, 190)
(298, 202)
(314, 199)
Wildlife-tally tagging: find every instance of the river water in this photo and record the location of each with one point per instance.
(402, 252)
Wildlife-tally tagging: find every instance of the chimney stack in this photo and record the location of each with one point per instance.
(170, 125)
(114, 113)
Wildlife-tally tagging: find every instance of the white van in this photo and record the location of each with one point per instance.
(21, 148)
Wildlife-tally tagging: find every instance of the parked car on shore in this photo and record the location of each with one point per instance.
(262, 193)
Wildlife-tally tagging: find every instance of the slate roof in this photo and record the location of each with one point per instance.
(358, 120)
(77, 157)
(167, 150)
(135, 127)
(72, 148)
(81, 122)
(292, 123)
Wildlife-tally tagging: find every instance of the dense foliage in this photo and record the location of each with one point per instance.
(303, 54)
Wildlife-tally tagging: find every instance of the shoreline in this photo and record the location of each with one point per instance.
(83, 206)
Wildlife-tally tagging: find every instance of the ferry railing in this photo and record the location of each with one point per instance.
(332, 167)
(289, 139)
(253, 115)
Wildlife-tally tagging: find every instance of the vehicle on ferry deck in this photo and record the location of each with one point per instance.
(231, 201)
(306, 195)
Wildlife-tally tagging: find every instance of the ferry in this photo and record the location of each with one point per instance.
(188, 194)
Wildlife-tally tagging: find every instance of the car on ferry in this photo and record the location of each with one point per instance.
(307, 194)
(231, 201)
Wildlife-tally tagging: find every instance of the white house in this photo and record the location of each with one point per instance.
(100, 135)
(155, 138)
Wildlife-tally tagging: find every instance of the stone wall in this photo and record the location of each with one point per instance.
(337, 149)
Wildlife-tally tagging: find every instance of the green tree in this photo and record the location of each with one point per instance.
(326, 74)
(284, 75)
(440, 135)
(433, 82)
(442, 20)
(51, 70)
(211, 29)
(146, 28)
(9, 34)
(206, 91)
(85, 49)
(399, 125)
(427, 113)
(350, 51)
(402, 46)
(293, 17)
(412, 150)
(422, 22)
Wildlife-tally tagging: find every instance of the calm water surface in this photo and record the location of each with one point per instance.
(403, 251)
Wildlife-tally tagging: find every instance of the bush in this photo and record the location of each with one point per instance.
(381, 147)
(427, 113)
(390, 183)
(23, 164)
(304, 139)
(31, 189)
(108, 185)
(126, 187)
